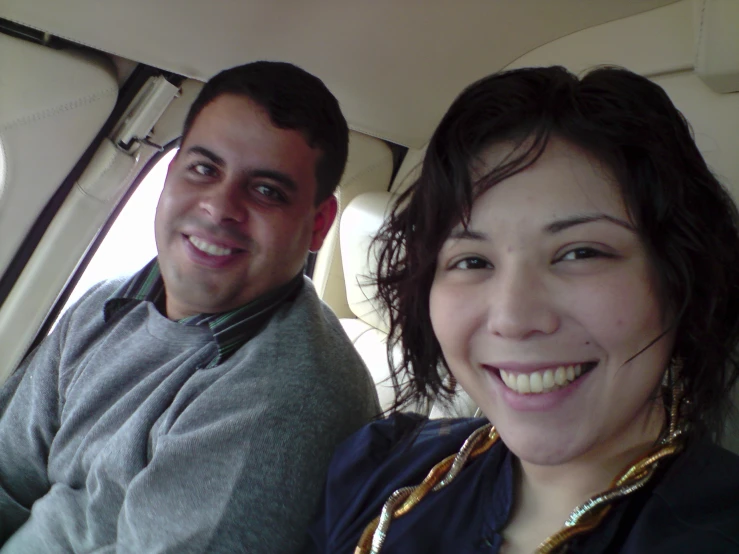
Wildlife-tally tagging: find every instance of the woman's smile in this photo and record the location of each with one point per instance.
(545, 380)
(551, 269)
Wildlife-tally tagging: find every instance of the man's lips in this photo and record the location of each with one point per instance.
(211, 247)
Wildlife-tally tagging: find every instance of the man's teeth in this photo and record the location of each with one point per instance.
(541, 381)
(209, 248)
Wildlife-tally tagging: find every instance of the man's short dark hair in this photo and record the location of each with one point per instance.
(293, 99)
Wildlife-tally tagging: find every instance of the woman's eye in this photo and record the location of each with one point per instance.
(582, 253)
(472, 263)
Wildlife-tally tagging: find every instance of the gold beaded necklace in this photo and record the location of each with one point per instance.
(583, 519)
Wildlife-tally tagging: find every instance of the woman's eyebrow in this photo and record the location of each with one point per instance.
(467, 233)
(562, 224)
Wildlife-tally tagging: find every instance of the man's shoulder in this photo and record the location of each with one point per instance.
(93, 301)
(309, 304)
(306, 322)
(304, 344)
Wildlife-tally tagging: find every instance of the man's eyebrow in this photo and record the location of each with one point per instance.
(566, 223)
(212, 156)
(467, 233)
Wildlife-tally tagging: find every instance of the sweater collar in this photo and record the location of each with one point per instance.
(231, 329)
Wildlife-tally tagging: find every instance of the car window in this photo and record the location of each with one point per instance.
(129, 243)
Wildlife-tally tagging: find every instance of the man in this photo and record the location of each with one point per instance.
(194, 407)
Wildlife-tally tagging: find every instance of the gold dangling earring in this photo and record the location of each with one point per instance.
(673, 388)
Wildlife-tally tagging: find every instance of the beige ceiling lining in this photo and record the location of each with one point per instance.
(395, 66)
(660, 42)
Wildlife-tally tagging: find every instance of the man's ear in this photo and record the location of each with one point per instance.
(324, 218)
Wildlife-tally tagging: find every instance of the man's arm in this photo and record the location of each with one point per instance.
(231, 476)
(29, 410)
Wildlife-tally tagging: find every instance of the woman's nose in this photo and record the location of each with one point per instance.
(520, 305)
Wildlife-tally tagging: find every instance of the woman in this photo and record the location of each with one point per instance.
(569, 257)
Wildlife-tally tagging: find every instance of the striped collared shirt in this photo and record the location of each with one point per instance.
(231, 330)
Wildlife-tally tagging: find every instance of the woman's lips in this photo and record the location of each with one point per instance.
(544, 380)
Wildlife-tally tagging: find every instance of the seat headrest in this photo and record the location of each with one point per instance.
(717, 45)
(360, 222)
(409, 170)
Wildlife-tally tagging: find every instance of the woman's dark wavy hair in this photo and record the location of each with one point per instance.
(684, 216)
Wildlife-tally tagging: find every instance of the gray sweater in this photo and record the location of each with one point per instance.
(114, 437)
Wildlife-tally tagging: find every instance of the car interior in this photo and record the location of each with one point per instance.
(93, 91)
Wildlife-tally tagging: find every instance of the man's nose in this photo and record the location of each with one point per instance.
(224, 203)
(520, 305)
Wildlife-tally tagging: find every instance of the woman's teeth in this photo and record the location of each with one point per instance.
(541, 381)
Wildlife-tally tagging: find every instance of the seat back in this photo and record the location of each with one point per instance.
(368, 330)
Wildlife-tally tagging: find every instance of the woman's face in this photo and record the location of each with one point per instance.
(541, 306)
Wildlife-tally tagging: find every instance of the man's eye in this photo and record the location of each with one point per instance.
(204, 170)
(270, 192)
(472, 262)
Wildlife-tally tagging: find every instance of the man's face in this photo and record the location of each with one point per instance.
(237, 215)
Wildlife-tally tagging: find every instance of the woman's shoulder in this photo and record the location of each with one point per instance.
(375, 461)
(400, 438)
(698, 498)
(704, 472)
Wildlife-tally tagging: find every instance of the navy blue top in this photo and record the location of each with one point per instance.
(691, 506)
